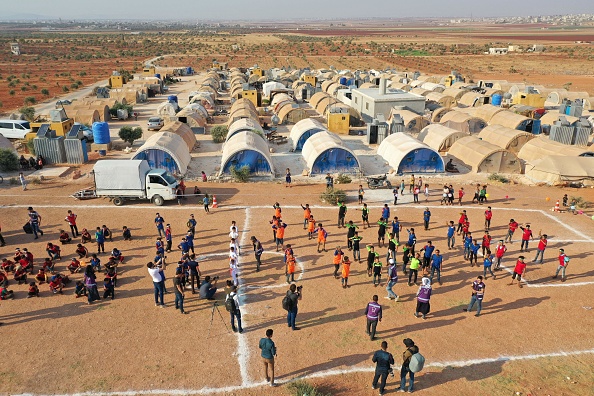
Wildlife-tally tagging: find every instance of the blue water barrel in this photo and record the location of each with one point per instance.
(189, 71)
(342, 81)
(158, 76)
(496, 99)
(101, 133)
(172, 98)
(102, 153)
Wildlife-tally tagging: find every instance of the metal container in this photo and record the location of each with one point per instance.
(562, 134)
(52, 149)
(581, 136)
(76, 151)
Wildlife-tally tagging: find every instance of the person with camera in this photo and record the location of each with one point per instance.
(294, 295)
(209, 288)
(154, 272)
(383, 360)
(232, 306)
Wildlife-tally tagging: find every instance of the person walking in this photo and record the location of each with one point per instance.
(35, 222)
(232, 300)
(511, 228)
(154, 272)
(423, 298)
(487, 264)
(563, 263)
(383, 360)
(322, 234)
(474, 248)
(392, 279)
(23, 181)
(268, 354)
(71, 220)
(295, 295)
(500, 250)
(542, 245)
(373, 313)
(160, 224)
(478, 293)
(179, 290)
(191, 224)
(426, 218)
(488, 217)
(463, 219)
(486, 245)
(451, 234)
(519, 271)
(411, 349)
(342, 210)
(436, 266)
(206, 202)
(258, 250)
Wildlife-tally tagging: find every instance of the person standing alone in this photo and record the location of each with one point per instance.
(294, 296)
(382, 359)
(71, 220)
(34, 221)
(373, 313)
(268, 354)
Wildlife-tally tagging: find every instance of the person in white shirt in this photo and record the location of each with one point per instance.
(233, 270)
(234, 235)
(233, 244)
(154, 272)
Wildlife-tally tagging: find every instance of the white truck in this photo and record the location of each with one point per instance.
(122, 180)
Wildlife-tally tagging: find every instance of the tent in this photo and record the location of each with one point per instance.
(269, 86)
(291, 113)
(247, 148)
(542, 146)
(560, 169)
(438, 114)
(485, 112)
(413, 123)
(197, 107)
(193, 118)
(551, 116)
(420, 91)
(430, 86)
(165, 150)
(166, 109)
(471, 99)
(302, 130)
(516, 121)
(324, 152)
(506, 138)
(325, 103)
(183, 130)
(316, 98)
(485, 157)
(5, 144)
(244, 124)
(439, 137)
(441, 99)
(85, 116)
(406, 154)
(455, 93)
(462, 122)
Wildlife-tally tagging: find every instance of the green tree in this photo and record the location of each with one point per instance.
(30, 100)
(9, 161)
(11, 92)
(129, 134)
(28, 112)
(219, 133)
(45, 92)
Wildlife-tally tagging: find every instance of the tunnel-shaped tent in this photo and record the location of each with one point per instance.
(560, 169)
(247, 148)
(506, 138)
(551, 116)
(485, 157)
(455, 93)
(165, 150)
(244, 124)
(441, 99)
(324, 152)
(291, 113)
(462, 122)
(540, 147)
(406, 154)
(516, 121)
(440, 138)
(485, 112)
(302, 130)
(413, 122)
(193, 118)
(183, 130)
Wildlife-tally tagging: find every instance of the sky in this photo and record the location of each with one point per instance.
(285, 9)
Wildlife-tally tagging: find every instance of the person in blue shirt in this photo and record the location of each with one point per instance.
(426, 218)
(100, 239)
(192, 224)
(184, 246)
(467, 244)
(427, 253)
(436, 262)
(474, 248)
(159, 246)
(487, 263)
(396, 228)
(412, 240)
(206, 202)
(386, 212)
(190, 241)
(451, 235)
(159, 223)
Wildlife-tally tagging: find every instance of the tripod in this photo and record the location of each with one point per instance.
(216, 306)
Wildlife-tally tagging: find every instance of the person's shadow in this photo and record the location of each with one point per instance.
(448, 374)
(346, 361)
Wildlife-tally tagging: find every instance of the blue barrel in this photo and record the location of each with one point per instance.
(189, 71)
(342, 81)
(101, 133)
(158, 76)
(102, 153)
(172, 98)
(496, 99)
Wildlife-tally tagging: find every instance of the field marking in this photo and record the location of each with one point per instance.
(323, 374)
(581, 234)
(243, 350)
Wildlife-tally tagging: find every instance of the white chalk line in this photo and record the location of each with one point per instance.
(243, 350)
(581, 234)
(324, 374)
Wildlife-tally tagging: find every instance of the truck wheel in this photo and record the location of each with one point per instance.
(158, 200)
(118, 201)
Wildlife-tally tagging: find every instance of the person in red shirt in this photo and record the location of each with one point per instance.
(542, 245)
(563, 263)
(486, 245)
(466, 228)
(7, 265)
(460, 195)
(488, 216)
(500, 250)
(48, 265)
(20, 275)
(71, 220)
(512, 227)
(463, 218)
(74, 265)
(56, 285)
(526, 237)
(519, 271)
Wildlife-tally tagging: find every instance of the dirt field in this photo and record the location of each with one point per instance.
(154, 349)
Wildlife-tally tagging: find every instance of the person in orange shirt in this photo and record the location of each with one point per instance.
(338, 255)
(322, 234)
(290, 269)
(277, 210)
(311, 227)
(280, 235)
(306, 215)
(346, 270)
(275, 223)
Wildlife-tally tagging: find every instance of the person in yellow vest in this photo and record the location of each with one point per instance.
(322, 234)
(415, 264)
(346, 270)
(306, 215)
(290, 270)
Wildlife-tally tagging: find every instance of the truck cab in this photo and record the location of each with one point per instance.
(160, 185)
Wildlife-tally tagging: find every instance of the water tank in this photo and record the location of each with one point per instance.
(496, 99)
(189, 71)
(343, 81)
(172, 98)
(101, 133)
(158, 76)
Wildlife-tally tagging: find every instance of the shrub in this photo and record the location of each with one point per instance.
(219, 133)
(580, 202)
(333, 195)
(45, 92)
(65, 89)
(498, 177)
(242, 174)
(27, 112)
(9, 161)
(30, 147)
(302, 388)
(343, 179)
(13, 181)
(29, 100)
(129, 134)
(114, 110)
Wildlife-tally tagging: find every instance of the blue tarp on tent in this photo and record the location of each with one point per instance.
(333, 161)
(421, 161)
(257, 162)
(158, 159)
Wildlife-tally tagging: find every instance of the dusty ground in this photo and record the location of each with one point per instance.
(154, 351)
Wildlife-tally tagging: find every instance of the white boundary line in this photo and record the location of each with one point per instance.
(243, 350)
(323, 374)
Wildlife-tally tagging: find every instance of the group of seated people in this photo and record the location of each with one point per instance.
(36, 164)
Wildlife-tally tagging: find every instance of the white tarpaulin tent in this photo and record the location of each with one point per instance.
(560, 169)
(166, 150)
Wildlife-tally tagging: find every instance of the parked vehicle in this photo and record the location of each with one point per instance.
(87, 132)
(155, 123)
(63, 102)
(374, 182)
(122, 180)
(14, 129)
